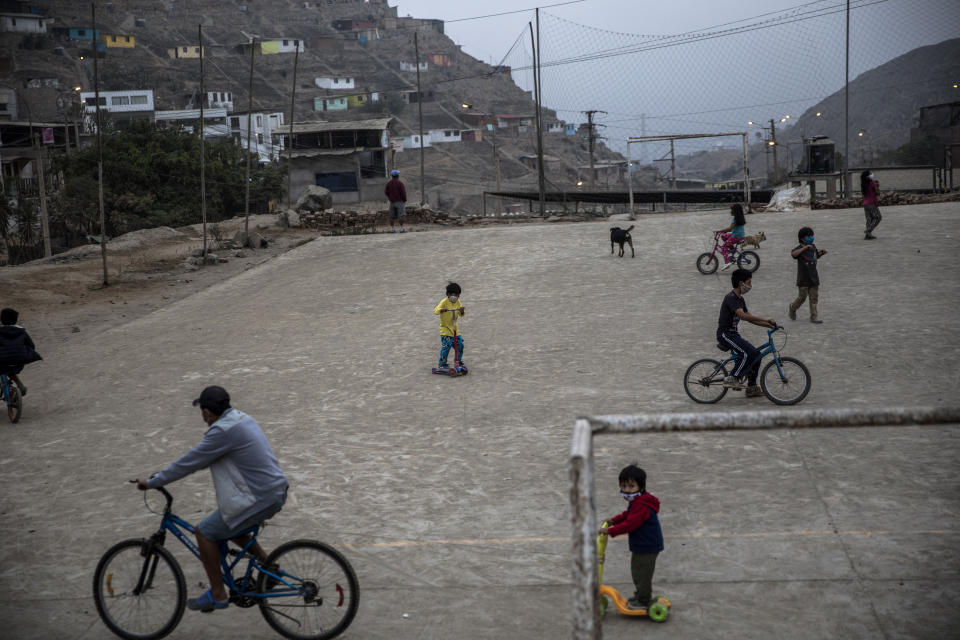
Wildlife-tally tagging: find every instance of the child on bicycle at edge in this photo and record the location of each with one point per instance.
(732, 311)
(16, 348)
(732, 234)
(641, 523)
(448, 310)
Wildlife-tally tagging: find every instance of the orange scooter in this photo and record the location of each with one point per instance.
(658, 611)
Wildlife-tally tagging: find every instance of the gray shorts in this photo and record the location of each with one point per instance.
(215, 529)
(398, 210)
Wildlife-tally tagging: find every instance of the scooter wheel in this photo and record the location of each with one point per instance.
(658, 612)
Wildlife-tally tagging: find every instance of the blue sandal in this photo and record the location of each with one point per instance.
(206, 603)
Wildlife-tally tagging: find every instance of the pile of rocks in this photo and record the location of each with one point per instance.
(888, 199)
(365, 221)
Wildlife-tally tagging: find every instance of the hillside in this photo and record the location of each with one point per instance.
(372, 55)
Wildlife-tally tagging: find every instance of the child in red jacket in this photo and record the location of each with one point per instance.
(641, 523)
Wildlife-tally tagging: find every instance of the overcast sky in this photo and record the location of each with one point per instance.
(489, 38)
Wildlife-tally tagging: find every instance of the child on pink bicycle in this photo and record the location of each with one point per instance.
(732, 234)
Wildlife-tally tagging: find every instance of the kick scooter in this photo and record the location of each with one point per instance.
(658, 611)
(457, 369)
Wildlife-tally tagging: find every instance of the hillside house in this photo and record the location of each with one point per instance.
(262, 127)
(184, 51)
(187, 120)
(413, 96)
(116, 41)
(352, 25)
(408, 22)
(219, 100)
(410, 66)
(361, 99)
(368, 35)
(413, 141)
(8, 104)
(606, 172)
(444, 135)
(570, 129)
(514, 122)
(123, 106)
(553, 127)
(348, 158)
(475, 119)
(333, 82)
(82, 33)
(22, 23)
(439, 59)
(471, 135)
(330, 103)
(272, 47)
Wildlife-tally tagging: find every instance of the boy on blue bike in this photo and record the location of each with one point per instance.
(732, 311)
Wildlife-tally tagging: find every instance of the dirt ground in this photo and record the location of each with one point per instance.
(449, 496)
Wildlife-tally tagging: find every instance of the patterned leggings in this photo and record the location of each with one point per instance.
(729, 242)
(446, 342)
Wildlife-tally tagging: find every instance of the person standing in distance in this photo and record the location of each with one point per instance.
(397, 195)
(247, 477)
(871, 210)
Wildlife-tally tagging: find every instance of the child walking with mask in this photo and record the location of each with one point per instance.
(641, 523)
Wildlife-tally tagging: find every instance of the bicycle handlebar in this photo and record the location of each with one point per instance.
(166, 494)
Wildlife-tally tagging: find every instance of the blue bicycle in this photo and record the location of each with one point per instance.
(784, 380)
(306, 590)
(12, 396)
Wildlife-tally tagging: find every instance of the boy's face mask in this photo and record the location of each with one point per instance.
(630, 496)
(808, 239)
(453, 298)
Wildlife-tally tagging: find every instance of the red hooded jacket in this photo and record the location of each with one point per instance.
(641, 522)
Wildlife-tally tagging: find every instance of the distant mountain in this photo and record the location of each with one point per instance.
(884, 103)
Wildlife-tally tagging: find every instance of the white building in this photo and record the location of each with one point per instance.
(413, 141)
(326, 82)
(263, 127)
(220, 100)
(409, 66)
(215, 121)
(132, 100)
(23, 23)
(444, 135)
(289, 46)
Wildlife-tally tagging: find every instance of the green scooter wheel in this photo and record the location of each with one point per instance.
(658, 612)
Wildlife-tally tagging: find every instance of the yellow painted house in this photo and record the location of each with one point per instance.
(357, 100)
(188, 51)
(124, 42)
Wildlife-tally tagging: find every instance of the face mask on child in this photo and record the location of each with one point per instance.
(629, 496)
(808, 239)
(744, 287)
(453, 298)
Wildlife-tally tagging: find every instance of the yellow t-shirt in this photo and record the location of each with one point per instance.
(448, 320)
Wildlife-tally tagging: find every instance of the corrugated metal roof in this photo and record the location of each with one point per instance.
(316, 127)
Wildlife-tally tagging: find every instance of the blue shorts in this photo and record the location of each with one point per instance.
(215, 529)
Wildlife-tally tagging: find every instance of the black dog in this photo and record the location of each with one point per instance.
(621, 236)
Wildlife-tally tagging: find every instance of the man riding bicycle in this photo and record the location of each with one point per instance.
(248, 480)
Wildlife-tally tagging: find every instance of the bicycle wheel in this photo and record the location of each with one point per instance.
(319, 594)
(153, 612)
(703, 381)
(792, 387)
(707, 263)
(15, 405)
(748, 260)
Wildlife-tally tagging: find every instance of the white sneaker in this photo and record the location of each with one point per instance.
(732, 381)
(726, 265)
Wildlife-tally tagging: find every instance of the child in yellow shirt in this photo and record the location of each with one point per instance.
(449, 309)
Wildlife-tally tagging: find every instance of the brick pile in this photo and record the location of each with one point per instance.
(365, 220)
(888, 199)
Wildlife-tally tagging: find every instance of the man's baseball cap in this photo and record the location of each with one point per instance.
(394, 173)
(215, 399)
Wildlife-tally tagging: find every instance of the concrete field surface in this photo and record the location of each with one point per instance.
(450, 495)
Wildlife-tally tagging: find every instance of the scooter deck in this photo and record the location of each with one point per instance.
(621, 604)
(454, 371)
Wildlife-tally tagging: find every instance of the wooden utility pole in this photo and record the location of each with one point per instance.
(293, 106)
(773, 143)
(592, 138)
(846, 114)
(416, 49)
(246, 198)
(538, 94)
(44, 221)
(203, 154)
(96, 98)
(673, 167)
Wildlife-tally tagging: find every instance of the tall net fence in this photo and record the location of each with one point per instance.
(759, 69)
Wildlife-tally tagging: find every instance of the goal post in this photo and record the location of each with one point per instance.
(583, 514)
(690, 136)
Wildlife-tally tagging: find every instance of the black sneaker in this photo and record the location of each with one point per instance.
(816, 320)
